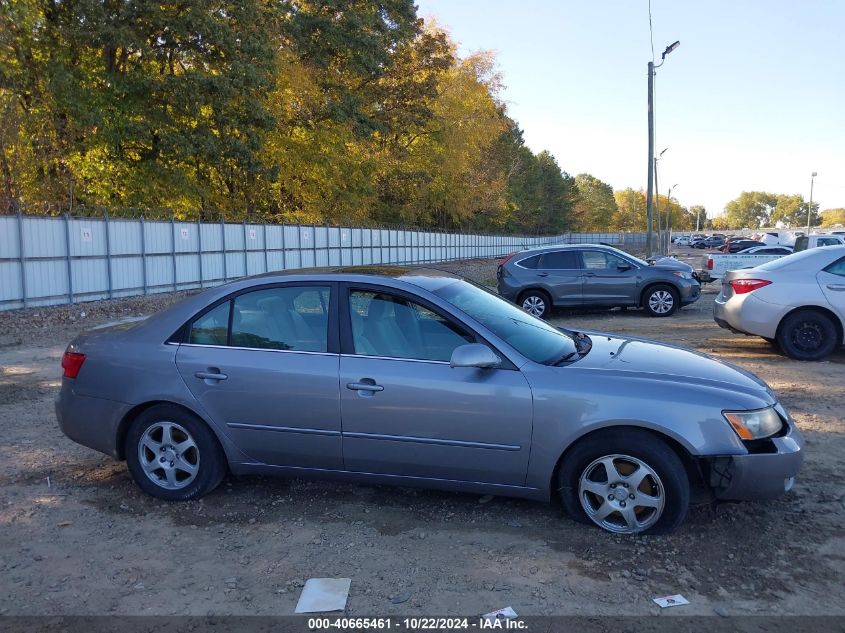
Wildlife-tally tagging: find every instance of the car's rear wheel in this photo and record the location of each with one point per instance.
(173, 455)
(536, 303)
(660, 300)
(626, 482)
(808, 335)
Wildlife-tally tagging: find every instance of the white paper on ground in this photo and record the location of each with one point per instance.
(671, 601)
(500, 614)
(323, 594)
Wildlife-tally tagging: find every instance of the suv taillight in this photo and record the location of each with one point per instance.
(506, 259)
(742, 286)
(72, 363)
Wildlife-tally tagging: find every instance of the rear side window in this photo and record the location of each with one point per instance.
(531, 263)
(559, 260)
(212, 328)
(837, 267)
(828, 241)
(294, 318)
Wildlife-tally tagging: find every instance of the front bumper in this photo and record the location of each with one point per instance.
(691, 293)
(759, 475)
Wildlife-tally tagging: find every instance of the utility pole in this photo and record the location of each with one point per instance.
(650, 188)
(810, 206)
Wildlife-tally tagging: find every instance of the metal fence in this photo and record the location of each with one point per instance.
(65, 259)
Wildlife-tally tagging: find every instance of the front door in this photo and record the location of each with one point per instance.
(264, 368)
(608, 279)
(407, 412)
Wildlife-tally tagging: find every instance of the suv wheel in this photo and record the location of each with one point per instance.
(536, 303)
(660, 300)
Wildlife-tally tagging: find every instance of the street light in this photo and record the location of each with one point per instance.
(668, 207)
(810, 206)
(650, 194)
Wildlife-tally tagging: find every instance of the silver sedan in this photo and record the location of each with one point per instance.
(797, 301)
(416, 377)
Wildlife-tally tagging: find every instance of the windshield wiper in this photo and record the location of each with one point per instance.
(583, 345)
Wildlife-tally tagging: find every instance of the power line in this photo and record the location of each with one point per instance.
(650, 31)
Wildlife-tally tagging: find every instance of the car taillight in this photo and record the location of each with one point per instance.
(507, 259)
(709, 263)
(72, 363)
(741, 286)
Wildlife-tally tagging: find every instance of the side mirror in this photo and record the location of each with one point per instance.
(624, 266)
(474, 355)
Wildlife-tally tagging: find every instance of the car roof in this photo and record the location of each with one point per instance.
(425, 276)
(565, 247)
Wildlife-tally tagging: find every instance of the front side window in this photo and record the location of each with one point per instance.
(599, 259)
(395, 327)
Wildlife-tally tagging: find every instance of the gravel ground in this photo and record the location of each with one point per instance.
(77, 536)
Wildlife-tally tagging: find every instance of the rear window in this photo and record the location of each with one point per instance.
(212, 328)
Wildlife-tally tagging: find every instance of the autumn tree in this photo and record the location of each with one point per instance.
(832, 217)
(594, 206)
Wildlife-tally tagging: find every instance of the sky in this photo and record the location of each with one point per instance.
(752, 100)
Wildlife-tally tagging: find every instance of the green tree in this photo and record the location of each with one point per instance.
(792, 211)
(595, 205)
(631, 210)
(832, 217)
(752, 209)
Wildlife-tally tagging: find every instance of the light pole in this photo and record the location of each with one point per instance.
(650, 189)
(810, 206)
(669, 214)
(657, 199)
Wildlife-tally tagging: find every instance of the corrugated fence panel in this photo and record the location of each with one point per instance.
(68, 259)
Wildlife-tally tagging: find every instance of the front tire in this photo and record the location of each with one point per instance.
(808, 335)
(173, 455)
(661, 300)
(626, 482)
(536, 303)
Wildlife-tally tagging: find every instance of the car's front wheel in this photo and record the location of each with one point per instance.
(626, 482)
(173, 455)
(660, 300)
(536, 303)
(808, 335)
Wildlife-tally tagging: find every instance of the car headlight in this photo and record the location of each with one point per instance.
(682, 274)
(754, 425)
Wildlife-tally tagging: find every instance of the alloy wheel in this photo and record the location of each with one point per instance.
(621, 494)
(534, 305)
(168, 455)
(661, 301)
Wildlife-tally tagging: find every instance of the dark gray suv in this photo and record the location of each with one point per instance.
(594, 275)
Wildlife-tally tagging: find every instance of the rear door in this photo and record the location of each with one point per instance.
(605, 283)
(560, 273)
(264, 365)
(832, 282)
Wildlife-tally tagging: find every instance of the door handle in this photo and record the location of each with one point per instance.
(836, 287)
(211, 375)
(542, 274)
(589, 274)
(363, 386)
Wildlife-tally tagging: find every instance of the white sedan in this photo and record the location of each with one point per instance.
(797, 301)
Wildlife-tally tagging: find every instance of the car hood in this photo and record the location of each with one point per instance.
(657, 361)
(670, 263)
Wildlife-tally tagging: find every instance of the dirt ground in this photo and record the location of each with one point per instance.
(78, 537)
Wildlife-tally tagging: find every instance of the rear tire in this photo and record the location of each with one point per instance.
(663, 483)
(173, 455)
(660, 300)
(808, 335)
(536, 303)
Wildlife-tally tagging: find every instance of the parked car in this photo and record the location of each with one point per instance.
(695, 241)
(414, 377)
(767, 250)
(735, 246)
(560, 276)
(814, 241)
(710, 242)
(683, 241)
(797, 301)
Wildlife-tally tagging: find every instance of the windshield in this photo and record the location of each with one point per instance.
(531, 337)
